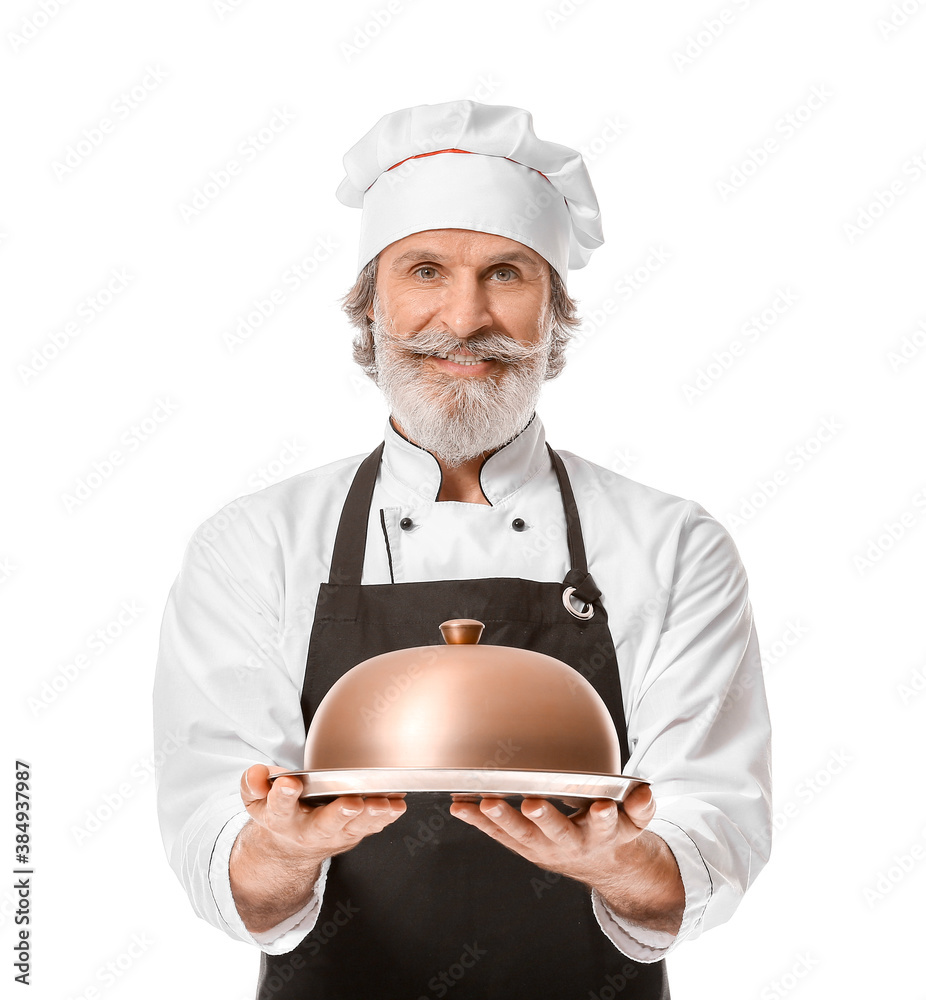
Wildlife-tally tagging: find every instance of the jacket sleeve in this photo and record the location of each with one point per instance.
(223, 700)
(700, 733)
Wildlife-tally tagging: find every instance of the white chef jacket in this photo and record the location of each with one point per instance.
(235, 631)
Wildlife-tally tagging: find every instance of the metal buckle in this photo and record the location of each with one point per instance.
(585, 614)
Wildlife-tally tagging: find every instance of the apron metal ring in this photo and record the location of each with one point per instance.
(586, 613)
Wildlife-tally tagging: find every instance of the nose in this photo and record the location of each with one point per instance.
(464, 308)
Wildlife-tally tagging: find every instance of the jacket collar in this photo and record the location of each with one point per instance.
(415, 475)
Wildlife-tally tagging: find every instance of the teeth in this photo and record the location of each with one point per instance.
(461, 359)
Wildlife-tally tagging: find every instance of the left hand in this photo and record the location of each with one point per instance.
(583, 846)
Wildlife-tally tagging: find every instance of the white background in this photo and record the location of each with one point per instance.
(808, 444)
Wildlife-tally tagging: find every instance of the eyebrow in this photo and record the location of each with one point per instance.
(515, 257)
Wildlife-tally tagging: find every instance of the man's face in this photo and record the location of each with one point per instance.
(462, 334)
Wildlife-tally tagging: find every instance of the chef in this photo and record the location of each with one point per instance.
(470, 224)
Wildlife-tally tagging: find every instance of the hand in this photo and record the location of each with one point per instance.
(585, 846)
(311, 832)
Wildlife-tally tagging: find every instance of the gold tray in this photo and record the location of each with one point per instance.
(464, 784)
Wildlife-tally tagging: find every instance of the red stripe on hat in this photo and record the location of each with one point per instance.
(418, 156)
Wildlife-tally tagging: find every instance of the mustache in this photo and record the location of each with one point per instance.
(489, 346)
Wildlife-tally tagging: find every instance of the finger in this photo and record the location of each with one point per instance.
(640, 806)
(510, 820)
(283, 798)
(256, 779)
(604, 817)
(552, 823)
(377, 813)
(471, 813)
(350, 817)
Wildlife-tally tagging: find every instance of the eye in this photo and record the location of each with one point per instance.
(426, 267)
(512, 274)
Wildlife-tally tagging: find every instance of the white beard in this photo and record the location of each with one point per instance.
(458, 418)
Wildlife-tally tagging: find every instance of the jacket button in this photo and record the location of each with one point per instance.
(406, 523)
(518, 524)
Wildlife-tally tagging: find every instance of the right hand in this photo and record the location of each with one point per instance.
(310, 832)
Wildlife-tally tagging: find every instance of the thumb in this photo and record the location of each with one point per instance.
(255, 785)
(640, 806)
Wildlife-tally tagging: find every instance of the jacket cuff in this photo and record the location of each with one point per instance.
(285, 935)
(643, 944)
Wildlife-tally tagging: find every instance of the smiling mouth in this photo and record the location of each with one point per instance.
(461, 359)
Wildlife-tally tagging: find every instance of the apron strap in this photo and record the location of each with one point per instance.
(351, 539)
(578, 577)
(350, 543)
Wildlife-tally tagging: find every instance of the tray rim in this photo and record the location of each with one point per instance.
(471, 781)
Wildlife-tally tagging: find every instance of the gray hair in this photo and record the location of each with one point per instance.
(360, 299)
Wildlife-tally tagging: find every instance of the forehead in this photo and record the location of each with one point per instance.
(463, 247)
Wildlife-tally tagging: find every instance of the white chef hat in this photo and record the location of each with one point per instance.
(466, 165)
